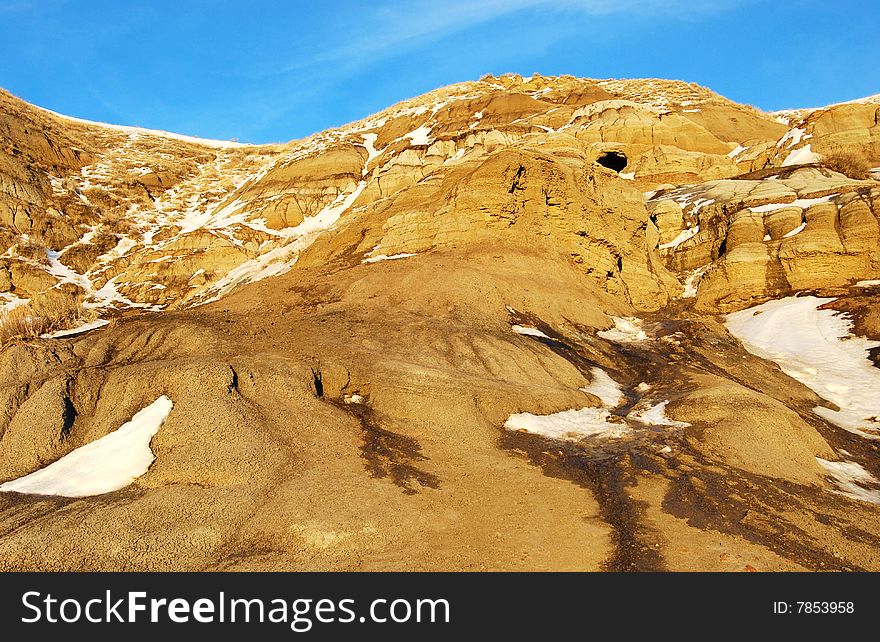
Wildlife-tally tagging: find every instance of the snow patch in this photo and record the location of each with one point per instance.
(123, 247)
(8, 302)
(529, 331)
(736, 152)
(568, 425)
(385, 257)
(104, 465)
(135, 131)
(606, 388)
(372, 152)
(574, 425)
(109, 295)
(816, 347)
(65, 274)
(801, 156)
(655, 416)
(459, 153)
(850, 479)
(792, 137)
(802, 203)
(85, 327)
(625, 330)
(800, 228)
(693, 282)
(281, 259)
(681, 238)
(419, 136)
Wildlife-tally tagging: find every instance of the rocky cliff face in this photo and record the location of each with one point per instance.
(145, 219)
(443, 336)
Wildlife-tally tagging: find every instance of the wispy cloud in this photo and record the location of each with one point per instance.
(393, 29)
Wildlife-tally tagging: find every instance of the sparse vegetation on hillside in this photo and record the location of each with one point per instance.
(849, 163)
(30, 249)
(55, 309)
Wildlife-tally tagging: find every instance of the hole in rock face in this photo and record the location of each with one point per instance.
(68, 416)
(318, 382)
(613, 160)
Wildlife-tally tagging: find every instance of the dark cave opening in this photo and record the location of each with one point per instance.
(318, 381)
(613, 160)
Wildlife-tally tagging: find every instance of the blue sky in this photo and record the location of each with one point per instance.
(264, 71)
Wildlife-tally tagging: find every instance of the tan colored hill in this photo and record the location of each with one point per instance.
(478, 330)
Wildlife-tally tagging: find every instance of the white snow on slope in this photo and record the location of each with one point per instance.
(604, 387)
(109, 295)
(8, 302)
(868, 284)
(801, 156)
(574, 425)
(459, 153)
(65, 274)
(802, 203)
(816, 348)
(568, 425)
(85, 327)
(419, 136)
(372, 152)
(793, 137)
(681, 238)
(104, 465)
(800, 228)
(529, 331)
(693, 282)
(851, 478)
(655, 416)
(385, 257)
(792, 113)
(736, 152)
(281, 259)
(128, 129)
(123, 247)
(701, 203)
(106, 296)
(625, 330)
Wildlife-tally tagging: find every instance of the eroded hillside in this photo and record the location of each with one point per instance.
(478, 330)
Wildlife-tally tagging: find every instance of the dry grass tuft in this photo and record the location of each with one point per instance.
(55, 309)
(29, 249)
(848, 163)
